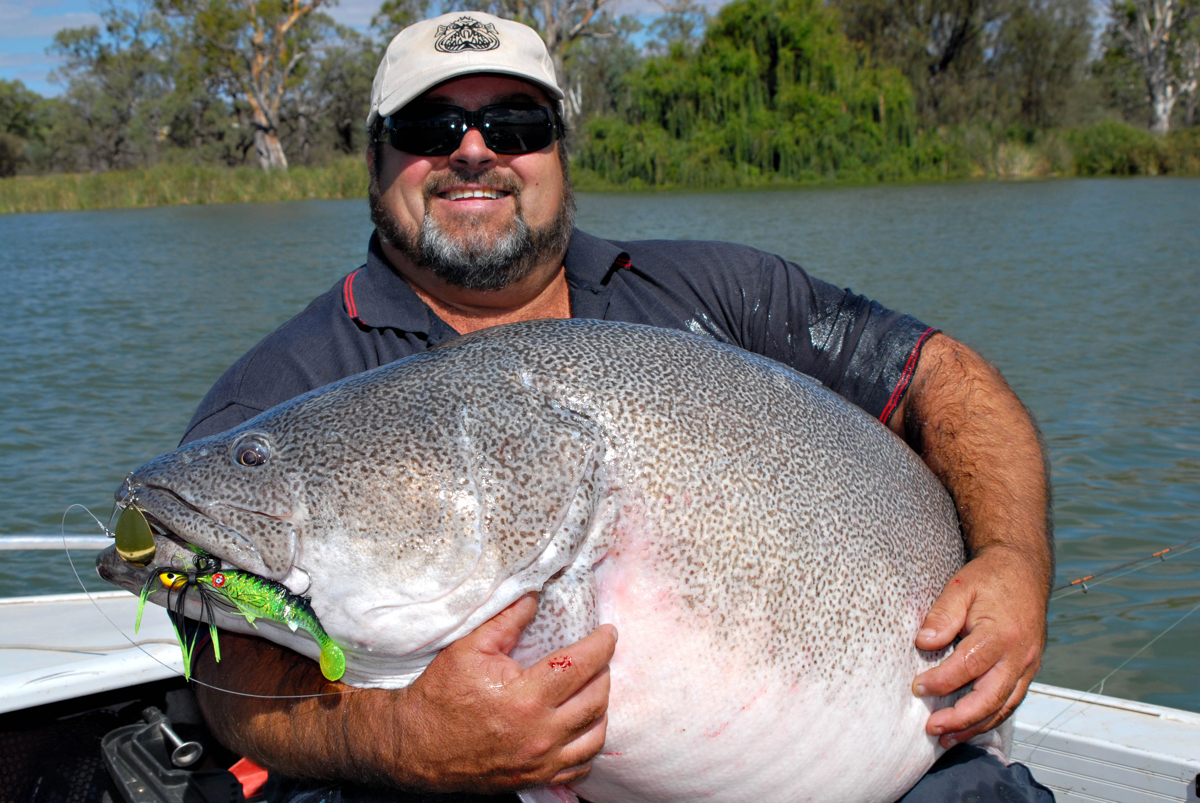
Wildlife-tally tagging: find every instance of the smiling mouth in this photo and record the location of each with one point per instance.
(461, 195)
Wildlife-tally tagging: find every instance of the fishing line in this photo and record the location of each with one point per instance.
(1080, 585)
(1098, 688)
(63, 528)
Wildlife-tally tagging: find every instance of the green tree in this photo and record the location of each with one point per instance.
(21, 120)
(940, 45)
(255, 47)
(395, 15)
(327, 111)
(1040, 59)
(116, 79)
(773, 89)
(1156, 37)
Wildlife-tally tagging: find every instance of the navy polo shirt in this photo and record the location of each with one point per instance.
(733, 293)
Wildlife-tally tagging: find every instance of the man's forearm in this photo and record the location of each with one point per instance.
(475, 719)
(295, 722)
(964, 420)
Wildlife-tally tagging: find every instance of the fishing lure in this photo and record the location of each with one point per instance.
(254, 597)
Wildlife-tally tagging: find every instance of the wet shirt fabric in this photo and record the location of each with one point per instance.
(735, 294)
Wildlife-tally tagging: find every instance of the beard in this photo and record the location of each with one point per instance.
(474, 257)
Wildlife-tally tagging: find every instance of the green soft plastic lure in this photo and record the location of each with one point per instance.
(255, 598)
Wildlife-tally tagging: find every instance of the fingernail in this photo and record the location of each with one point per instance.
(920, 690)
(951, 742)
(937, 731)
(614, 634)
(928, 632)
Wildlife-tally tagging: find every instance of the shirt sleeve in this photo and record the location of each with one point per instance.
(858, 348)
(768, 305)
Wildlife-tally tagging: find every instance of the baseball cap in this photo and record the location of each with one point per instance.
(429, 52)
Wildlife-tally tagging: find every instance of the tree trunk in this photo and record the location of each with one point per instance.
(1161, 89)
(1149, 37)
(268, 150)
(266, 143)
(1191, 69)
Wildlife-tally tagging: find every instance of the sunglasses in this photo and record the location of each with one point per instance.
(428, 129)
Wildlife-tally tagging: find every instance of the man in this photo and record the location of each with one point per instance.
(473, 211)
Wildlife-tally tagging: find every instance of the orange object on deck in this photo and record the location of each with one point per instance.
(250, 775)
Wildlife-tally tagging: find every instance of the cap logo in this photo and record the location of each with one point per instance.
(466, 33)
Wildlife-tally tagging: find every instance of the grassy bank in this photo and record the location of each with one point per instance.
(642, 163)
(181, 184)
(631, 158)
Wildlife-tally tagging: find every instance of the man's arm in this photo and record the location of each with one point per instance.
(974, 433)
(475, 719)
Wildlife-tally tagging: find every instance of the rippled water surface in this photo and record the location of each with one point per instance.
(1085, 293)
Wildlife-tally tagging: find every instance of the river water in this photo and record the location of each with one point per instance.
(1085, 293)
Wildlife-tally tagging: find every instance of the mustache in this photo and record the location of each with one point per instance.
(491, 179)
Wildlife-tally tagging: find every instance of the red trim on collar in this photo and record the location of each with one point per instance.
(906, 376)
(348, 296)
(623, 262)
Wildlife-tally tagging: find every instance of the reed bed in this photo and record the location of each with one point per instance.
(635, 162)
(181, 184)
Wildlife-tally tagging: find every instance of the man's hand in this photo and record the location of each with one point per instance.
(1001, 616)
(479, 721)
(475, 719)
(973, 432)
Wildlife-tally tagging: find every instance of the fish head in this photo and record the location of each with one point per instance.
(231, 496)
(410, 509)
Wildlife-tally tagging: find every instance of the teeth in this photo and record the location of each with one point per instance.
(458, 195)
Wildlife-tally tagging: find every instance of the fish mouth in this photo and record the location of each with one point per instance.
(175, 518)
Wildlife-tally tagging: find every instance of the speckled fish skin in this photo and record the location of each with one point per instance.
(766, 550)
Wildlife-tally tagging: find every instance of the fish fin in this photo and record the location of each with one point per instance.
(548, 794)
(333, 661)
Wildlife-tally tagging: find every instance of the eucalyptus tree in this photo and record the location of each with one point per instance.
(1154, 39)
(258, 48)
(1039, 59)
(116, 79)
(940, 45)
(21, 120)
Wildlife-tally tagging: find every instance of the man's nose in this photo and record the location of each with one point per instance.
(473, 153)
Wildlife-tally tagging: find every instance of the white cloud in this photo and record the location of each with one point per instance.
(20, 21)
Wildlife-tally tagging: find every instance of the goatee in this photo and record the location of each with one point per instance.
(475, 258)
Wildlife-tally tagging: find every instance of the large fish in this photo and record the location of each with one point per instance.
(766, 550)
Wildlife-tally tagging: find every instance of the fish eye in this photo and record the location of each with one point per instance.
(251, 451)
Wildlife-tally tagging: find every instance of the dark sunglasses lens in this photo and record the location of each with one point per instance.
(437, 131)
(517, 129)
(435, 134)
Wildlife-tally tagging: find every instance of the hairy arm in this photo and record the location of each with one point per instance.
(974, 433)
(474, 720)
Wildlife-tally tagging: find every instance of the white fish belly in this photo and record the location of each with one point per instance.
(696, 716)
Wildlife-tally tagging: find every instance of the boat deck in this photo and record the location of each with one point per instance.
(63, 646)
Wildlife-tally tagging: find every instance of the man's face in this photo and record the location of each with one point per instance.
(477, 219)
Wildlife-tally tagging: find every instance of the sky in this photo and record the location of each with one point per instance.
(27, 28)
